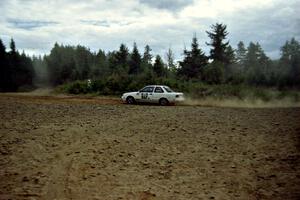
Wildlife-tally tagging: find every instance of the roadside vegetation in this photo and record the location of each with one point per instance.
(244, 72)
(193, 90)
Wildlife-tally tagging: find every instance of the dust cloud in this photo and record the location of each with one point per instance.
(286, 102)
(240, 103)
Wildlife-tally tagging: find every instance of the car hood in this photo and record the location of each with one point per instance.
(129, 93)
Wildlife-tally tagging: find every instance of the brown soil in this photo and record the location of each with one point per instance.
(98, 148)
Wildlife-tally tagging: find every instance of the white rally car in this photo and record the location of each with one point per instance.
(153, 94)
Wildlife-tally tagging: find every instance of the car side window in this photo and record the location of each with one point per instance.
(147, 89)
(158, 90)
(168, 89)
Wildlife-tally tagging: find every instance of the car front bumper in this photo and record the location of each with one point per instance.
(179, 99)
(123, 98)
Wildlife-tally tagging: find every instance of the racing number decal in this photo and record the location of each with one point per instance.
(144, 95)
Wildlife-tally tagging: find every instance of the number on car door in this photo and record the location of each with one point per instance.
(146, 94)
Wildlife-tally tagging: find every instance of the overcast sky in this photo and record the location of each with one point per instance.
(36, 25)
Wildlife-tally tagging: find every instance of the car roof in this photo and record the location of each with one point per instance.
(156, 86)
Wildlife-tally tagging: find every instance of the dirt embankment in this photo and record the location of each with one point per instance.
(98, 148)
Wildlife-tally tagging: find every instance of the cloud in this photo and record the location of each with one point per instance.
(106, 23)
(36, 24)
(103, 23)
(29, 24)
(172, 5)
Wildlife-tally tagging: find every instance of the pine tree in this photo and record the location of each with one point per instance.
(147, 57)
(16, 70)
(2, 49)
(230, 67)
(101, 67)
(81, 59)
(12, 46)
(290, 61)
(230, 55)
(158, 67)
(256, 64)
(119, 61)
(218, 35)
(4, 69)
(193, 62)
(241, 53)
(13, 58)
(122, 55)
(170, 61)
(135, 61)
(147, 67)
(54, 61)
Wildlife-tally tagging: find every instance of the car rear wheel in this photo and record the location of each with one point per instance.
(163, 102)
(130, 100)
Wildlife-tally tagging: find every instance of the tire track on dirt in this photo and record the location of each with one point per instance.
(59, 179)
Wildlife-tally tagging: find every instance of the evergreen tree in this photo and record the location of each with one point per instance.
(54, 61)
(230, 70)
(122, 56)
(147, 66)
(82, 60)
(158, 67)
(5, 79)
(101, 68)
(290, 61)
(230, 55)
(26, 72)
(218, 35)
(13, 58)
(214, 73)
(15, 70)
(2, 49)
(12, 46)
(135, 61)
(147, 57)
(170, 60)
(119, 60)
(241, 53)
(193, 62)
(256, 64)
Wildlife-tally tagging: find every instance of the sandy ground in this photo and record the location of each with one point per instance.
(97, 148)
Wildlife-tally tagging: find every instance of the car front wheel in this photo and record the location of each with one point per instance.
(130, 100)
(163, 102)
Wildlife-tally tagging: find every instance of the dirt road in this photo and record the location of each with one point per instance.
(98, 148)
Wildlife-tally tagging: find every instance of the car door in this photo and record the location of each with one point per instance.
(145, 94)
(157, 94)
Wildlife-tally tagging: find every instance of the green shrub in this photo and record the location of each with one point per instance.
(26, 88)
(259, 93)
(97, 85)
(78, 87)
(214, 73)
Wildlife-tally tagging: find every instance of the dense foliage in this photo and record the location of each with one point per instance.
(16, 70)
(122, 70)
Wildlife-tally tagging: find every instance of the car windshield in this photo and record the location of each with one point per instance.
(147, 89)
(168, 89)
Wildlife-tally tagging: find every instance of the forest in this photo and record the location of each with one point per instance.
(69, 67)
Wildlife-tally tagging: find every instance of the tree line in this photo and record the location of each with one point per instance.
(122, 69)
(16, 70)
